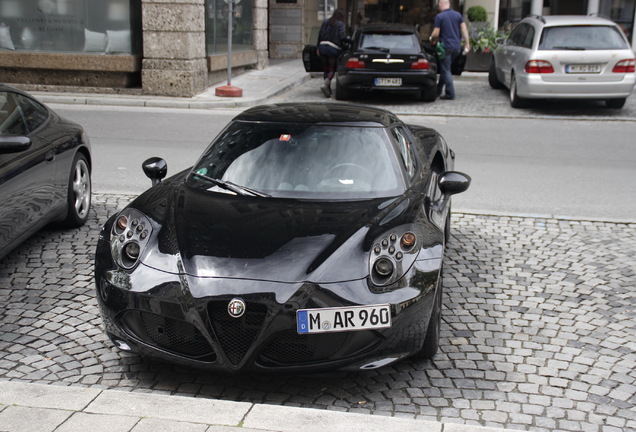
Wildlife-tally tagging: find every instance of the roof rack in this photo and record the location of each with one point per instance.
(539, 17)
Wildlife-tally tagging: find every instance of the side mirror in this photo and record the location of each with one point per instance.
(14, 144)
(155, 169)
(453, 182)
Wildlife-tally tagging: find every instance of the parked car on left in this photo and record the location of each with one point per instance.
(45, 169)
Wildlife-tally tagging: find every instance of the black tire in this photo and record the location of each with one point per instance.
(79, 193)
(431, 341)
(429, 94)
(515, 100)
(492, 76)
(615, 103)
(341, 93)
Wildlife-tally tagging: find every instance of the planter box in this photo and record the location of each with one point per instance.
(478, 61)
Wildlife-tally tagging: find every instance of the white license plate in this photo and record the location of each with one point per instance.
(327, 320)
(583, 68)
(388, 82)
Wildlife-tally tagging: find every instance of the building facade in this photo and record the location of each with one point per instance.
(180, 47)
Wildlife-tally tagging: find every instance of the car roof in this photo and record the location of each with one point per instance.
(405, 28)
(319, 112)
(561, 20)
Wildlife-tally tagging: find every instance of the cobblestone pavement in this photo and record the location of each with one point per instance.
(474, 98)
(539, 331)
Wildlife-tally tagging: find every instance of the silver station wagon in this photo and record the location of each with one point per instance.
(565, 57)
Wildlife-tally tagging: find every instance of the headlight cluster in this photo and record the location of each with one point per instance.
(388, 254)
(129, 237)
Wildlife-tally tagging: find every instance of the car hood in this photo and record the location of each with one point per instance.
(218, 235)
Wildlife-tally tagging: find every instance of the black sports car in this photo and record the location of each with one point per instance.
(45, 169)
(386, 57)
(307, 236)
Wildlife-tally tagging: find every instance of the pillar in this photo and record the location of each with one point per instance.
(593, 6)
(174, 60)
(536, 7)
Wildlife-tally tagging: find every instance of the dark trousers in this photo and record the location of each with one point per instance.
(445, 74)
(329, 55)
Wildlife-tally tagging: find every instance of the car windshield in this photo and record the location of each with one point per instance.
(582, 38)
(304, 161)
(390, 41)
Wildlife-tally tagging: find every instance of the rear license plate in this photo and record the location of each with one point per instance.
(327, 320)
(583, 68)
(388, 82)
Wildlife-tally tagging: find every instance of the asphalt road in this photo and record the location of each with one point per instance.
(554, 159)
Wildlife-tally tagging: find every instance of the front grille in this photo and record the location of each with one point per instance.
(236, 335)
(170, 334)
(290, 348)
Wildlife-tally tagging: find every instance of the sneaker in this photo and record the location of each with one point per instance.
(446, 97)
(326, 91)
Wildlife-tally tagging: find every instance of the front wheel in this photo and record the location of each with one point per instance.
(492, 76)
(79, 193)
(431, 342)
(515, 100)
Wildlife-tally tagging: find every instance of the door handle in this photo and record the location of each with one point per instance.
(49, 156)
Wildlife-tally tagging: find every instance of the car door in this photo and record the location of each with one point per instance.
(27, 175)
(512, 52)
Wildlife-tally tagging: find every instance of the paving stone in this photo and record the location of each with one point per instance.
(539, 331)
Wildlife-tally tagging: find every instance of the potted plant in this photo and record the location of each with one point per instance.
(483, 41)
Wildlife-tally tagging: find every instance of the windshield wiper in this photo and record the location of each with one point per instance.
(232, 187)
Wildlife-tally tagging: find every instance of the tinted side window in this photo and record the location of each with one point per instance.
(11, 118)
(529, 38)
(518, 34)
(34, 113)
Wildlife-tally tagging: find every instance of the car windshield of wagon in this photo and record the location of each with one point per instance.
(582, 38)
(304, 161)
(390, 41)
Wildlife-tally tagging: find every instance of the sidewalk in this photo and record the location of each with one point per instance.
(47, 408)
(257, 85)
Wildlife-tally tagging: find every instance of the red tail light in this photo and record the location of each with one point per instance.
(354, 63)
(625, 66)
(539, 66)
(421, 64)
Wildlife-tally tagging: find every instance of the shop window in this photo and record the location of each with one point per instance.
(71, 26)
(216, 26)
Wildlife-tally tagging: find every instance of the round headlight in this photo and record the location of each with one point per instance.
(383, 267)
(132, 251)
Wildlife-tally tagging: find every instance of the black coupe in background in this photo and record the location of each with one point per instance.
(45, 169)
(306, 237)
(381, 58)
(386, 57)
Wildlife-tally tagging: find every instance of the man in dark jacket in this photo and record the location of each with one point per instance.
(330, 38)
(448, 29)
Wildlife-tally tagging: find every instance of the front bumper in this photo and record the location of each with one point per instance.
(155, 314)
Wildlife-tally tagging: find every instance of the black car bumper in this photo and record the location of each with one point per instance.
(155, 314)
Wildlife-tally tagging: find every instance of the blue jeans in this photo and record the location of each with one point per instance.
(445, 75)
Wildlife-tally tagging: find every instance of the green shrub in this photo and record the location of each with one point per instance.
(477, 14)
